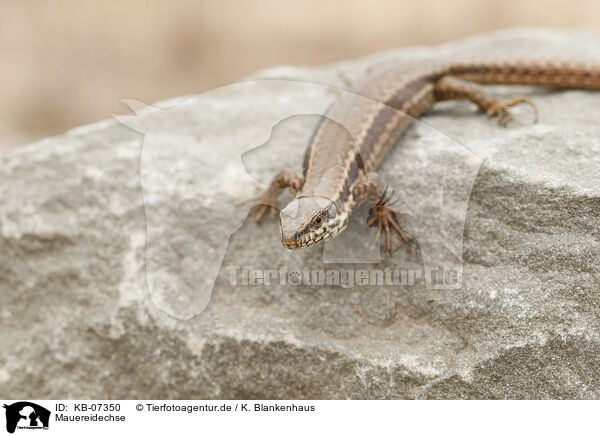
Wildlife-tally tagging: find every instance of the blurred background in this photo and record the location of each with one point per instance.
(67, 63)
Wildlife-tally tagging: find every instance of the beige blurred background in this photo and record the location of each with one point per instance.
(66, 63)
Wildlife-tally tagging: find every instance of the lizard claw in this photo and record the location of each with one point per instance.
(499, 109)
(268, 199)
(266, 203)
(385, 217)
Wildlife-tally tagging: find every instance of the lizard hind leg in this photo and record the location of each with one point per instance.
(453, 88)
(267, 200)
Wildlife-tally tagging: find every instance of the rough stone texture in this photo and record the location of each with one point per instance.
(92, 267)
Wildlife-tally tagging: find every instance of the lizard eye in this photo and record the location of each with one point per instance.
(317, 221)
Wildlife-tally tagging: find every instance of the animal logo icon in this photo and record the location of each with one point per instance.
(27, 415)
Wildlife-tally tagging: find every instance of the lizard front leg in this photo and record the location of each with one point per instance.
(373, 190)
(453, 88)
(266, 201)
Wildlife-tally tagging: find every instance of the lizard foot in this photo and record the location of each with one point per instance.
(500, 109)
(385, 217)
(266, 203)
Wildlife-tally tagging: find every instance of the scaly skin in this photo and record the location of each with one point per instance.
(338, 168)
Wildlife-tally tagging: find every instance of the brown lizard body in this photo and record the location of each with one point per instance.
(338, 168)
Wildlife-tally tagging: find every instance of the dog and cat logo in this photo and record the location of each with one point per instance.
(26, 415)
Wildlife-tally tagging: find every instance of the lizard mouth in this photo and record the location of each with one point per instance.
(294, 244)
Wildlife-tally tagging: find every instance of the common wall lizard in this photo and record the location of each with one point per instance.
(338, 170)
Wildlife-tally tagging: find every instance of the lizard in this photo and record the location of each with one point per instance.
(338, 170)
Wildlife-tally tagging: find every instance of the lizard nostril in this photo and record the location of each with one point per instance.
(289, 242)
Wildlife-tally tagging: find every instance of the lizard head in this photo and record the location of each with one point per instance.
(306, 221)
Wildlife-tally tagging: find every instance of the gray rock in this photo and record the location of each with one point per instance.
(115, 251)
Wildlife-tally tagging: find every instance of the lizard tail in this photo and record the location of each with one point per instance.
(550, 73)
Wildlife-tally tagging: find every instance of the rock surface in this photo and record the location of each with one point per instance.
(110, 241)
